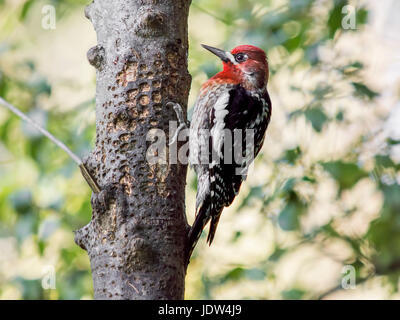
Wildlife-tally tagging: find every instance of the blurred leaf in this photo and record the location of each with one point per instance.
(30, 64)
(233, 275)
(207, 286)
(41, 246)
(346, 174)
(277, 254)
(21, 201)
(383, 232)
(291, 155)
(30, 289)
(352, 68)
(47, 227)
(322, 90)
(362, 91)
(293, 294)
(386, 162)
(339, 116)
(335, 17)
(309, 179)
(25, 227)
(391, 141)
(289, 217)
(288, 186)
(311, 53)
(39, 85)
(236, 236)
(362, 15)
(317, 118)
(256, 192)
(255, 274)
(296, 5)
(239, 273)
(25, 9)
(74, 284)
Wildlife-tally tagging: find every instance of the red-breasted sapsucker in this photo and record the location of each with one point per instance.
(231, 103)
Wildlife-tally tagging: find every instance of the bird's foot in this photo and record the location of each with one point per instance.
(101, 201)
(181, 119)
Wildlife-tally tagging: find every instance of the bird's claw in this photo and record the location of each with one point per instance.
(101, 201)
(181, 119)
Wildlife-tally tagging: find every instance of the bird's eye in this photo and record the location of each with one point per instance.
(240, 57)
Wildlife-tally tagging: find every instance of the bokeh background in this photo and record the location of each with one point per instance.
(324, 193)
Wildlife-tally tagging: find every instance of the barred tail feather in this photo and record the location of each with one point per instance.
(213, 227)
(202, 218)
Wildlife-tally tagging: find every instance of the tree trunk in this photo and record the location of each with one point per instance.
(135, 240)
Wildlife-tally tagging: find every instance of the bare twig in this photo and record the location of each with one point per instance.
(23, 116)
(89, 179)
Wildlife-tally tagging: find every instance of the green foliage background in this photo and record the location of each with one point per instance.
(299, 176)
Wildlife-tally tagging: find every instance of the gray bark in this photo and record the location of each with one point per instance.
(135, 240)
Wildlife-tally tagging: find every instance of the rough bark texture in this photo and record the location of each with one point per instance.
(135, 240)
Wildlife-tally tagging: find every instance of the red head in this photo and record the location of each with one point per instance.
(245, 64)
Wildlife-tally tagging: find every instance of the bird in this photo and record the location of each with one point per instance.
(234, 100)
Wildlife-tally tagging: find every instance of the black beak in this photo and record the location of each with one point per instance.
(218, 52)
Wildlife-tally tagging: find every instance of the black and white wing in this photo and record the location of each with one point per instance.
(218, 128)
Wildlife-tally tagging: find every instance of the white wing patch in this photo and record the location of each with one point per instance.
(217, 130)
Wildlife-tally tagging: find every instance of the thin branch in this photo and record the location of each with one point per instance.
(211, 14)
(23, 116)
(340, 287)
(85, 172)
